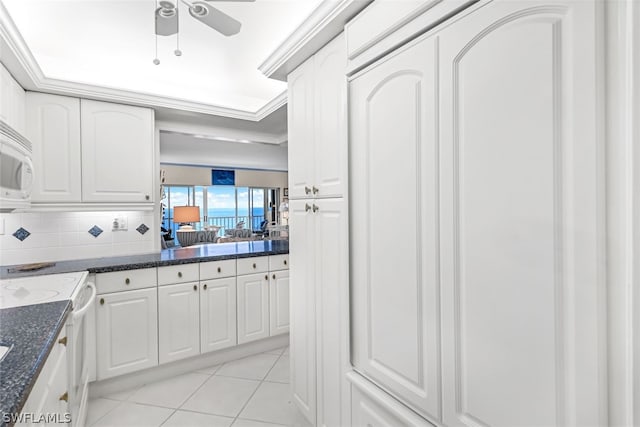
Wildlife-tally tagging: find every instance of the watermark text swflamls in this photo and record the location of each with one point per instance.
(33, 418)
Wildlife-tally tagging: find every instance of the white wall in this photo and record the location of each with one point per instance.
(201, 175)
(57, 236)
(192, 150)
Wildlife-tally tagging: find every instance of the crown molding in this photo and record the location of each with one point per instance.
(326, 22)
(17, 56)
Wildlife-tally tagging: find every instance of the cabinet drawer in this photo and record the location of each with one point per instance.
(178, 274)
(386, 25)
(253, 265)
(217, 269)
(118, 281)
(279, 262)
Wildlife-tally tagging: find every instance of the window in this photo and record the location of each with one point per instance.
(223, 206)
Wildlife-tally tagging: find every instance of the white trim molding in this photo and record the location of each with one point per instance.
(17, 57)
(325, 23)
(623, 209)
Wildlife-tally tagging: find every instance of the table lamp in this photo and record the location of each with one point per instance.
(186, 215)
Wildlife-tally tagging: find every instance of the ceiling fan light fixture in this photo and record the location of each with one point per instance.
(198, 10)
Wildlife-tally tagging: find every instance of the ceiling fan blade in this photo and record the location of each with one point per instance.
(215, 18)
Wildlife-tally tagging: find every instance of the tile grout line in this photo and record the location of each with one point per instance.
(120, 402)
(191, 395)
(255, 391)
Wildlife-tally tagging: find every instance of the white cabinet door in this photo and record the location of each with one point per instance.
(331, 276)
(12, 101)
(301, 130)
(253, 307)
(394, 246)
(178, 321)
(279, 302)
(218, 314)
(127, 332)
(330, 120)
(118, 153)
(302, 307)
(54, 130)
(522, 216)
(317, 124)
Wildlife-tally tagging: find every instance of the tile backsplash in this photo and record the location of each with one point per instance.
(58, 236)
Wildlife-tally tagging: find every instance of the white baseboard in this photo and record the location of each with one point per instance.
(168, 370)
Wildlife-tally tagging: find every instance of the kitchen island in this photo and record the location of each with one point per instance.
(189, 255)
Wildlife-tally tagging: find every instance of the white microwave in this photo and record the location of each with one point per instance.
(16, 169)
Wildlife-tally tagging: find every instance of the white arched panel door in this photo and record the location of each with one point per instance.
(521, 180)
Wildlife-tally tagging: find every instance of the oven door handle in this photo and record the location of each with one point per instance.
(77, 314)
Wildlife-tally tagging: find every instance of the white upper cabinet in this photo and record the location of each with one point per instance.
(522, 216)
(317, 124)
(54, 130)
(395, 283)
(118, 153)
(12, 101)
(90, 152)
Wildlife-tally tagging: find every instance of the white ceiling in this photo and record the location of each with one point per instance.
(111, 44)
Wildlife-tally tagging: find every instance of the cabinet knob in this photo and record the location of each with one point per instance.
(285, 262)
(315, 208)
(127, 281)
(205, 287)
(63, 341)
(219, 270)
(179, 273)
(146, 197)
(195, 287)
(315, 190)
(307, 208)
(101, 301)
(307, 190)
(266, 277)
(254, 265)
(274, 277)
(64, 397)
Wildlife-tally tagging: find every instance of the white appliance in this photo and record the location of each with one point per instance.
(16, 169)
(57, 287)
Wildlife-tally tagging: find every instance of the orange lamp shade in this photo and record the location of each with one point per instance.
(186, 214)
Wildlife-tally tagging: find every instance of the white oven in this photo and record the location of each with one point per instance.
(79, 326)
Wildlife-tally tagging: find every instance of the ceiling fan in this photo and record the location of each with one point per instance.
(167, 19)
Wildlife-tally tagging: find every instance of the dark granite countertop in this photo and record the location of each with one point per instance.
(191, 254)
(31, 330)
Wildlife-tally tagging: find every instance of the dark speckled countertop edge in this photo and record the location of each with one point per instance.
(21, 367)
(188, 255)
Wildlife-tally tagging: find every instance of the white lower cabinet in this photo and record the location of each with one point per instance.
(253, 307)
(178, 321)
(371, 407)
(218, 314)
(50, 394)
(126, 331)
(279, 302)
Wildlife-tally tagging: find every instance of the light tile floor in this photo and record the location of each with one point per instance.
(249, 392)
